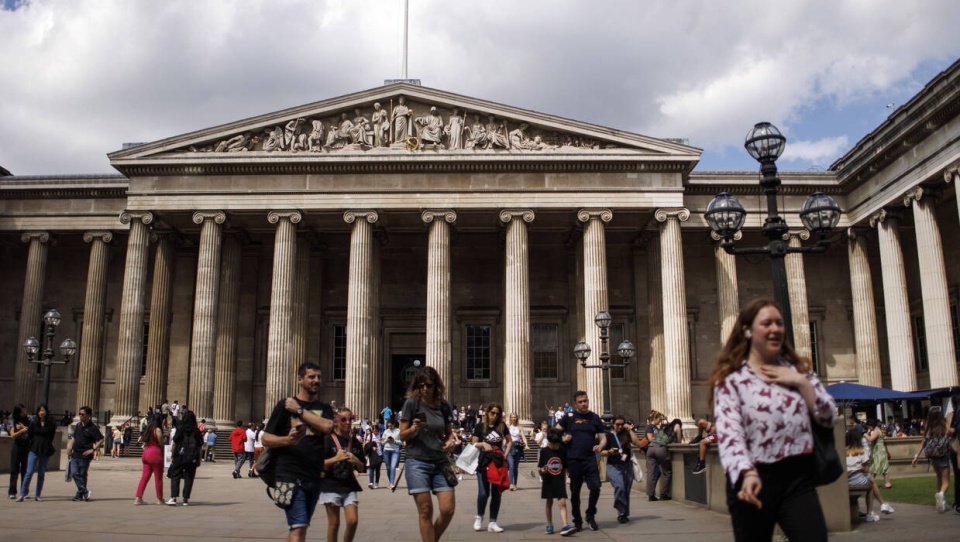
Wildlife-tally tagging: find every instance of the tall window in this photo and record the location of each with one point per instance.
(920, 343)
(478, 352)
(339, 353)
(815, 347)
(546, 354)
(616, 337)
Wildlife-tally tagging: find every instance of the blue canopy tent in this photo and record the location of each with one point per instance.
(846, 392)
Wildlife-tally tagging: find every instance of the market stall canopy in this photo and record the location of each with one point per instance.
(846, 391)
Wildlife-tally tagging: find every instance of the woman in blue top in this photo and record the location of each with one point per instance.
(390, 443)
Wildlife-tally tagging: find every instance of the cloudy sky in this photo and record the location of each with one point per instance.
(80, 77)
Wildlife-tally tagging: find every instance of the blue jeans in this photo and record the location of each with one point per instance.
(35, 464)
(513, 464)
(304, 503)
(78, 468)
(424, 476)
(483, 492)
(620, 477)
(392, 459)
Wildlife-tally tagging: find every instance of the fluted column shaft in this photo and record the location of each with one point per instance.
(797, 290)
(864, 311)
(130, 339)
(903, 376)
(279, 337)
(439, 311)
(594, 293)
(728, 292)
(228, 321)
(675, 336)
(91, 341)
(379, 374)
(517, 363)
(301, 301)
(161, 299)
(933, 288)
(658, 376)
(359, 320)
(204, 343)
(25, 380)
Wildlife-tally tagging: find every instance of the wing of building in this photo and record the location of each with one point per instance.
(404, 225)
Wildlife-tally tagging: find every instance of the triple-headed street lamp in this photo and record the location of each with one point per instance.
(32, 347)
(819, 215)
(626, 351)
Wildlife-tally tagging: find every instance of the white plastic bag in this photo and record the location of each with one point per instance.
(469, 458)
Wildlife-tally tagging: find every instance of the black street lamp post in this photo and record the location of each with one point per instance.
(626, 351)
(32, 347)
(819, 214)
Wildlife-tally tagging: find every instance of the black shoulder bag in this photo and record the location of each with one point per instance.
(826, 460)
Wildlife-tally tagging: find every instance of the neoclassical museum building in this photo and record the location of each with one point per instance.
(403, 225)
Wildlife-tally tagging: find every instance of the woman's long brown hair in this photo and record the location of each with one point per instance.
(427, 375)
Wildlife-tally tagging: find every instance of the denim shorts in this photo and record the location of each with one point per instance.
(303, 505)
(423, 476)
(339, 499)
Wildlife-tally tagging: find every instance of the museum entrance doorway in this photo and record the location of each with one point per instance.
(403, 367)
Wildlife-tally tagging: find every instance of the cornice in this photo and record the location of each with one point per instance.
(65, 193)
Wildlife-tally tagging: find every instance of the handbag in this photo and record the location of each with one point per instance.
(827, 467)
(637, 471)
(469, 459)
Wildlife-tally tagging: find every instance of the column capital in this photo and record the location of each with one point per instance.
(952, 173)
(105, 236)
(884, 215)
(800, 234)
(736, 237)
(294, 217)
(586, 215)
(918, 193)
(127, 217)
(857, 232)
(680, 213)
(449, 215)
(369, 215)
(200, 217)
(507, 215)
(28, 236)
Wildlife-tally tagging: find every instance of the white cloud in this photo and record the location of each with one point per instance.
(820, 151)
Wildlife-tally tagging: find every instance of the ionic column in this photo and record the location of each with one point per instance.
(594, 293)
(864, 311)
(903, 376)
(91, 341)
(658, 376)
(130, 335)
(301, 302)
(797, 289)
(25, 380)
(228, 322)
(161, 300)
(439, 312)
(279, 335)
(675, 339)
(517, 396)
(933, 288)
(203, 346)
(728, 292)
(359, 318)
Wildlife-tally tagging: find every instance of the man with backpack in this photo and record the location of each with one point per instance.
(295, 436)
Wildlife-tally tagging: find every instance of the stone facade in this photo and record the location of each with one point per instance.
(366, 233)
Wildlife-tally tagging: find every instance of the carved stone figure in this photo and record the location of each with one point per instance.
(293, 138)
(236, 143)
(315, 139)
(519, 141)
(274, 140)
(430, 127)
(496, 134)
(336, 139)
(361, 133)
(476, 133)
(399, 116)
(381, 126)
(454, 130)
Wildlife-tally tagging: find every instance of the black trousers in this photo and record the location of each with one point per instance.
(956, 477)
(584, 470)
(18, 464)
(187, 474)
(789, 499)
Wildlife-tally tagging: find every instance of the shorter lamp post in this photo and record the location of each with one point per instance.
(626, 351)
(819, 215)
(32, 347)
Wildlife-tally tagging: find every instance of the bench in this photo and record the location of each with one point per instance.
(855, 494)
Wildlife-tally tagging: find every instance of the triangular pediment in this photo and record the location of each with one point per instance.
(403, 122)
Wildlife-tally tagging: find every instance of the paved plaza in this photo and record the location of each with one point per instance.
(226, 509)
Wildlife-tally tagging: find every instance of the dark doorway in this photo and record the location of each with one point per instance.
(402, 370)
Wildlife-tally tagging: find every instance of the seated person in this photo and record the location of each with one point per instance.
(858, 461)
(708, 427)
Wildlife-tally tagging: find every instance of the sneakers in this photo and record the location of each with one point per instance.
(172, 501)
(700, 468)
(568, 530)
(941, 502)
(236, 475)
(478, 523)
(871, 517)
(886, 508)
(376, 486)
(592, 523)
(548, 530)
(494, 528)
(664, 498)
(622, 518)
(86, 496)
(19, 499)
(77, 498)
(369, 486)
(185, 503)
(651, 498)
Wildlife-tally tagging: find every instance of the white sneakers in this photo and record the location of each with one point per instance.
(871, 517)
(494, 528)
(886, 508)
(941, 501)
(478, 523)
(172, 501)
(491, 527)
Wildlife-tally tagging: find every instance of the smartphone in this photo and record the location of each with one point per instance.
(420, 416)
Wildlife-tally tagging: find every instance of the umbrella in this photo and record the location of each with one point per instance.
(847, 392)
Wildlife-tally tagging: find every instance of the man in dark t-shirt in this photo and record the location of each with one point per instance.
(296, 430)
(584, 437)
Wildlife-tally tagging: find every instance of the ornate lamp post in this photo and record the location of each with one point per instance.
(32, 347)
(819, 214)
(626, 351)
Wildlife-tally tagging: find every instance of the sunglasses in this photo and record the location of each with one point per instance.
(427, 385)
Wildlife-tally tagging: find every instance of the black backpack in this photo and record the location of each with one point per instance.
(189, 452)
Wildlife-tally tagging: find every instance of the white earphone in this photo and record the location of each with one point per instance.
(747, 334)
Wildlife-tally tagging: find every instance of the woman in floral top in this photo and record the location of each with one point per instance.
(764, 399)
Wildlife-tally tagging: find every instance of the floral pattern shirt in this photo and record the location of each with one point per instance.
(760, 423)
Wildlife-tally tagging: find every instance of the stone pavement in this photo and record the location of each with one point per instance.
(226, 509)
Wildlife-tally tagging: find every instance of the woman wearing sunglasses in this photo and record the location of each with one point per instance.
(426, 428)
